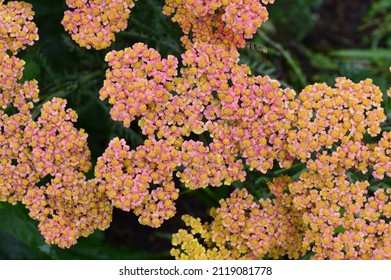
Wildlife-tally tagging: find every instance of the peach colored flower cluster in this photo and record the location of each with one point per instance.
(247, 118)
(16, 27)
(16, 99)
(66, 204)
(336, 215)
(93, 23)
(243, 228)
(126, 177)
(250, 121)
(343, 219)
(218, 21)
(42, 162)
(328, 217)
(206, 124)
(327, 115)
(137, 82)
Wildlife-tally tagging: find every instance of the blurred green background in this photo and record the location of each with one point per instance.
(304, 41)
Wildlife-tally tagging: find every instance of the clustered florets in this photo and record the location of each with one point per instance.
(252, 122)
(93, 23)
(16, 26)
(127, 175)
(243, 228)
(207, 124)
(43, 162)
(334, 215)
(218, 21)
(68, 205)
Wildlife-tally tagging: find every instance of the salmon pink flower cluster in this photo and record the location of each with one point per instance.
(67, 207)
(343, 219)
(93, 23)
(244, 228)
(327, 115)
(137, 82)
(65, 203)
(336, 211)
(126, 177)
(251, 123)
(16, 26)
(247, 118)
(325, 217)
(218, 21)
(43, 162)
(16, 99)
(206, 123)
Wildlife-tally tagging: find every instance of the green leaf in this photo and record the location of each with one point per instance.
(32, 69)
(339, 229)
(20, 239)
(364, 54)
(14, 249)
(19, 235)
(321, 61)
(94, 247)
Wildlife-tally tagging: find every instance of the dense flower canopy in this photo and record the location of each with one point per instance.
(206, 121)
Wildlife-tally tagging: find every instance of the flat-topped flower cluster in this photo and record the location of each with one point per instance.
(206, 123)
(93, 23)
(43, 162)
(16, 26)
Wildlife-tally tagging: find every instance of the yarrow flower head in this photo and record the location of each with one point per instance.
(342, 220)
(127, 178)
(243, 228)
(16, 167)
(55, 143)
(67, 207)
(93, 23)
(16, 26)
(381, 157)
(137, 82)
(12, 93)
(217, 22)
(47, 149)
(207, 124)
(246, 117)
(16, 100)
(327, 115)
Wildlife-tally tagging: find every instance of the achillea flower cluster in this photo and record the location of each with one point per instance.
(243, 228)
(16, 166)
(42, 162)
(343, 220)
(12, 93)
(250, 122)
(32, 152)
(381, 157)
(56, 145)
(336, 215)
(16, 26)
(248, 118)
(127, 178)
(16, 100)
(327, 115)
(137, 83)
(328, 217)
(93, 23)
(206, 124)
(217, 22)
(67, 207)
